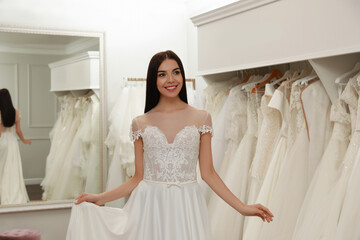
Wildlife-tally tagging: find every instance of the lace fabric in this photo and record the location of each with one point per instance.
(170, 161)
(266, 140)
(350, 96)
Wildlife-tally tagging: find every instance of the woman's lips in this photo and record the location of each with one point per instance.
(171, 88)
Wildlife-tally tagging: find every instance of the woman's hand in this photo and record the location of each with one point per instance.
(27, 141)
(85, 197)
(257, 210)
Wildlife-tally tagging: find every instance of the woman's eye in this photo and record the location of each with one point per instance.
(161, 74)
(177, 72)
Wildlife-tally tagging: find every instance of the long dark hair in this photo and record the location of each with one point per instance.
(7, 109)
(152, 92)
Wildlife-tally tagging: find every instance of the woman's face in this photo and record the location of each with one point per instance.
(169, 78)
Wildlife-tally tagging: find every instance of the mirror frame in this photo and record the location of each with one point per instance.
(46, 205)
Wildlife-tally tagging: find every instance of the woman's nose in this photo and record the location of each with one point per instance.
(170, 78)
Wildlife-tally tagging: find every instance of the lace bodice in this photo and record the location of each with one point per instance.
(175, 161)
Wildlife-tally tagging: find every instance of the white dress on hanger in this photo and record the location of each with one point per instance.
(93, 170)
(235, 125)
(348, 224)
(317, 203)
(324, 216)
(279, 103)
(228, 131)
(70, 182)
(61, 146)
(268, 133)
(236, 178)
(12, 185)
(121, 150)
(168, 203)
(293, 181)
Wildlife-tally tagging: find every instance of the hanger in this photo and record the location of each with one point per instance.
(246, 78)
(307, 79)
(287, 76)
(346, 76)
(255, 79)
(274, 73)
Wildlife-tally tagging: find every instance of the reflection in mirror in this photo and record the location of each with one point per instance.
(53, 81)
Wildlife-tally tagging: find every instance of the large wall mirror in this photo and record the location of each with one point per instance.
(55, 80)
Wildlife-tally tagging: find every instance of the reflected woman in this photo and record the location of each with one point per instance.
(12, 186)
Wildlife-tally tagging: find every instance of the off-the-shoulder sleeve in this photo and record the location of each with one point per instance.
(206, 126)
(135, 131)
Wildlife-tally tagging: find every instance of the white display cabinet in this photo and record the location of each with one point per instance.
(77, 74)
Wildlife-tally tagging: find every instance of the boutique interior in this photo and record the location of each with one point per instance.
(281, 80)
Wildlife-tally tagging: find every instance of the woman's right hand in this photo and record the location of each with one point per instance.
(27, 141)
(85, 197)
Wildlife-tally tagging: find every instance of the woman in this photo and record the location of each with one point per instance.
(166, 201)
(12, 186)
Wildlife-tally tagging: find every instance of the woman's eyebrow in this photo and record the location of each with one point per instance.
(165, 71)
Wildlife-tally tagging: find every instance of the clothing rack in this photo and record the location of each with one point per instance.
(144, 79)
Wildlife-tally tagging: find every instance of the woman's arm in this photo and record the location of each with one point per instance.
(209, 175)
(18, 129)
(123, 190)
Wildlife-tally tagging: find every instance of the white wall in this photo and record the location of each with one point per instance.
(134, 32)
(28, 77)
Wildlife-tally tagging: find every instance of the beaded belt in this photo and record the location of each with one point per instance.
(169, 184)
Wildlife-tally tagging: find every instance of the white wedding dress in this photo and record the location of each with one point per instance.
(268, 134)
(318, 201)
(322, 219)
(296, 171)
(12, 185)
(280, 103)
(236, 178)
(168, 203)
(348, 224)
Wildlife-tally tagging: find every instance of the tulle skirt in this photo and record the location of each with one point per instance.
(154, 211)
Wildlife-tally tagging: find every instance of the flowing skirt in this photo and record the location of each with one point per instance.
(12, 186)
(154, 211)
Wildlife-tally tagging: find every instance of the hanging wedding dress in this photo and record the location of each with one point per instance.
(70, 183)
(235, 125)
(236, 178)
(121, 150)
(348, 225)
(92, 172)
(73, 162)
(59, 146)
(278, 102)
(320, 221)
(217, 105)
(216, 98)
(268, 133)
(55, 136)
(314, 210)
(291, 188)
(168, 203)
(12, 185)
